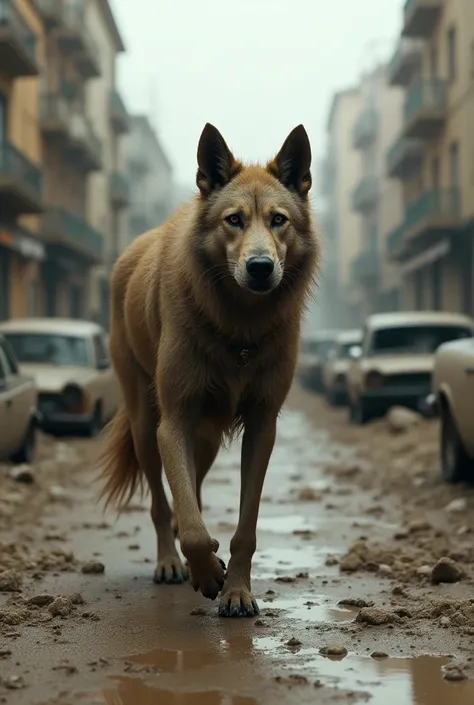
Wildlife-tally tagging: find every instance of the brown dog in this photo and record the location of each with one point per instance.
(206, 314)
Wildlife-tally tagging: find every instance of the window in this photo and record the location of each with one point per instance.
(6, 364)
(437, 285)
(434, 62)
(419, 339)
(100, 348)
(454, 164)
(49, 349)
(452, 54)
(435, 174)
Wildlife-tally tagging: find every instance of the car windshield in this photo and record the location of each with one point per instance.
(421, 340)
(49, 349)
(343, 352)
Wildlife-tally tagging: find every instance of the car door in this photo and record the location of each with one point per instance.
(106, 375)
(16, 402)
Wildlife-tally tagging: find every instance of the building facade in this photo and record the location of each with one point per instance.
(22, 49)
(376, 197)
(150, 175)
(339, 223)
(432, 156)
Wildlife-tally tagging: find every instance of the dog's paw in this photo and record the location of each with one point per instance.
(238, 602)
(170, 570)
(208, 576)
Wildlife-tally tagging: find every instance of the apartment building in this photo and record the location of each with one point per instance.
(376, 197)
(21, 168)
(107, 188)
(150, 175)
(432, 156)
(340, 225)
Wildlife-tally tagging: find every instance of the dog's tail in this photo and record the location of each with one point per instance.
(118, 462)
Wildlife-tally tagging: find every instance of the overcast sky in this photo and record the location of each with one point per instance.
(254, 68)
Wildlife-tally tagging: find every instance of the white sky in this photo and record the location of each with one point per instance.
(254, 68)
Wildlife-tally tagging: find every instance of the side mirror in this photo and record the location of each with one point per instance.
(355, 352)
(103, 364)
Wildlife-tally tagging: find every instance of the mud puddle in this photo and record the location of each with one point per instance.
(310, 608)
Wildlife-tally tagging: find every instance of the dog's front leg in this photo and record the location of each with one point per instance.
(257, 446)
(175, 439)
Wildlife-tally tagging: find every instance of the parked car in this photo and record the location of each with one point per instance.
(18, 413)
(77, 388)
(453, 399)
(313, 353)
(395, 362)
(336, 366)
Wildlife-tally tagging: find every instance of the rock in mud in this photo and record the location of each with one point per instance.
(375, 617)
(457, 506)
(10, 581)
(93, 568)
(351, 563)
(355, 602)
(57, 493)
(41, 600)
(447, 571)
(400, 419)
(453, 672)
(378, 655)
(61, 607)
(334, 650)
(293, 642)
(23, 473)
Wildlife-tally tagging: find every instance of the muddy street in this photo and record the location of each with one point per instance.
(356, 605)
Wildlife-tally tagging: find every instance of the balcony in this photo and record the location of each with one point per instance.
(88, 59)
(119, 190)
(434, 211)
(84, 146)
(405, 62)
(395, 242)
(365, 268)
(65, 229)
(420, 17)
(50, 11)
(118, 113)
(74, 39)
(425, 109)
(365, 194)
(21, 183)
(139, 223)
(17, 43)
(365, 128)
(404, 157)
(55, 116)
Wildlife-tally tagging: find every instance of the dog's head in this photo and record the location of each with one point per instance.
(255, 226)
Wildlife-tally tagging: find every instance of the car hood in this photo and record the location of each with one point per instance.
(309, 360)
(340, 366)
(53, 378)
(396, 364)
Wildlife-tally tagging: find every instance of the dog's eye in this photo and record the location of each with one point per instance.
(278, 220)
(235, 220)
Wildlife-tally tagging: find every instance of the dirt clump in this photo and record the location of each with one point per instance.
(447, 571)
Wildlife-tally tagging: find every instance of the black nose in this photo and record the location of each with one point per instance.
(260, 268)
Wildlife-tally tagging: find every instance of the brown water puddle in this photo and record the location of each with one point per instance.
(391, 681)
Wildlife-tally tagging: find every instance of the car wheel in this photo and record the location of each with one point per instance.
(455, 463)
(360, 414)
(95, 424)
(26, 454)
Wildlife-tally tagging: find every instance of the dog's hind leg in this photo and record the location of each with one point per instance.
(141, 407)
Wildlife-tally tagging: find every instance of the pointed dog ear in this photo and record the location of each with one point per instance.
(291, 165)
(216, 163)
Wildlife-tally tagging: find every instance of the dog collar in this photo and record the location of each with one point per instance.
(244, 353)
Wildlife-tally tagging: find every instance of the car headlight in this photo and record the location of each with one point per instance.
(373, 379)
(72, 397)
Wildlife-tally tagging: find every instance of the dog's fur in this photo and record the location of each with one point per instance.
(199, 354)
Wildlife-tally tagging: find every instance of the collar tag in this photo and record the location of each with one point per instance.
(244, 357)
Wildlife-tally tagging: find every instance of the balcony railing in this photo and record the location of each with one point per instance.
(88, 60)
(428, 94)
(21, 182)
(405, 60)
(366, 265)
(55, 114)
(118, 112)
(436, 205)
(60, 226)
(119, 188)
(17, 43)
(365, 128)
(395, 241)
(85, 140)
(365, 193)
(420, 17)
(50, 10)
(404, 154)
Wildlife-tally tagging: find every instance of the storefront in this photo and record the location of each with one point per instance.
(20, 256)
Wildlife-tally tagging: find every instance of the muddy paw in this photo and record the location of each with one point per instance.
(205, 568)
(238, 602)
(170, 570)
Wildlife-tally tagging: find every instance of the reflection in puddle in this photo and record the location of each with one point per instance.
(417, 681)
(312, 611)
(284, 525)
(272, 561)
(132, 691)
